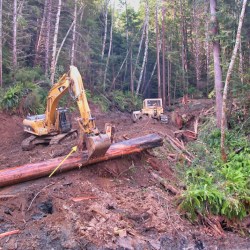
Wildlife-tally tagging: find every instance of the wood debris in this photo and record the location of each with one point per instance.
(77, 199)
(9, 233)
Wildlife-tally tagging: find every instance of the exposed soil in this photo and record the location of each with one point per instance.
(122, 206)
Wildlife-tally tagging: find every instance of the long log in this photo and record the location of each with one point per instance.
(36, 170)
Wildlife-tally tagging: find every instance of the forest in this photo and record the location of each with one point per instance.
(195, 56)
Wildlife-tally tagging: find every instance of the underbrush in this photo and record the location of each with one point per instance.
(25, 96)
(215, 187)
(123, 101)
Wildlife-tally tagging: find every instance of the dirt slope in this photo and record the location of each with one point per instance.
(122, 206)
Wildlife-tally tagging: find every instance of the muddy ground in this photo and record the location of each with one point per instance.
(124, 207)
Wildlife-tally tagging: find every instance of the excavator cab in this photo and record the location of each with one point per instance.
(64, 120)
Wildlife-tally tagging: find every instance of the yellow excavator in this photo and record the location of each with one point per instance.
(55, 124)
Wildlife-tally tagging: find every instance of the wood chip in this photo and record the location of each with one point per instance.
(9, 233)
(77, 199)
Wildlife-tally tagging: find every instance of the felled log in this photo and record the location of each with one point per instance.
(36, 170)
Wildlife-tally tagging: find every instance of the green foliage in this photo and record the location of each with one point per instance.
(125, 101)
(23, 98)
(28, 75)
(100, 101)
(59, 72)
(217, 187)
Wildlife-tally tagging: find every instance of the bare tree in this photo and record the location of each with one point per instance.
(184, 48)
(146, 49)
(53, 60)
(197, 42)
(110, 47)
(131, 73)
(47, 40)
(241, 63)
(65, 37)
(106, 2)
(150, 78)
(1, 45)
(126, 65)
(207, 44)
(158, 49)
(163, 56)
(229, 72)
(14, 57)
(73, 36)
(138, 54)
(217, 67)
(169, 73)
(42, 35)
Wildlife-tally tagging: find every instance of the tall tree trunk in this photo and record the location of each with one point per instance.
(47, 41)
(131, 73)
(146, 49)
(62, 43)
(14, 58)
(53, 60)
(139, 51)
(217, 68)
(207, 44)
(148, 82)
(229, 72)
(73, 37)
(158, 49)
(183, 50)
(169, 74)
(126, 65)
(197, 43)
(105, 27)
(123, 62)
(42, 34)
(241, 63)
(163, 56)
(1, 45)
(110, 47)
(65, 37)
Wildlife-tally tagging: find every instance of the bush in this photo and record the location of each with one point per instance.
(24, 98)
(125, 101)
(217, 187)
(101, 101)
(26, 75)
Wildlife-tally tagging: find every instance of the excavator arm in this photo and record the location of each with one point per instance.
(97, 143)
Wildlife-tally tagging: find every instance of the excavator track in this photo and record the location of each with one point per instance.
(27, 143)
(30, 142)
(58, 138)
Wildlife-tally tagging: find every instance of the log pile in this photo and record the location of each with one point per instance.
(36, 170)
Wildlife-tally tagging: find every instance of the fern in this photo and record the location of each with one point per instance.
(217, 187)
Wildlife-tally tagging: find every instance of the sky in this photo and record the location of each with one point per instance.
(133, 3)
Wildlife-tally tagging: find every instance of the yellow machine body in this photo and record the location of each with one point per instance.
(55, 120)
(152, 107)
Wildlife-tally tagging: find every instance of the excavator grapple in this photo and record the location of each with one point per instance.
(97, 145)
